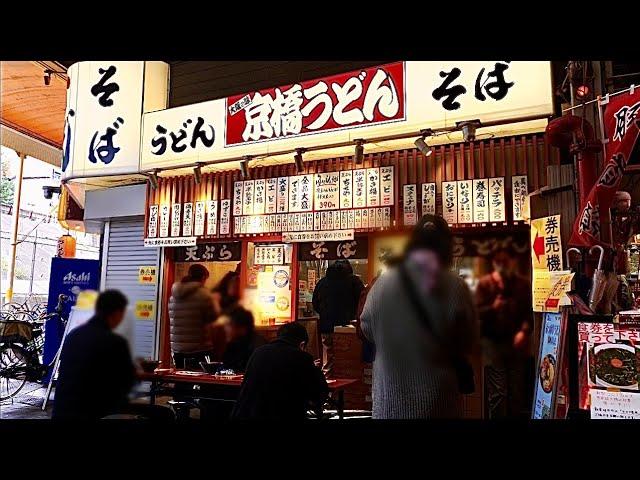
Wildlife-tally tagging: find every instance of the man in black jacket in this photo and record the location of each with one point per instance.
(96, 371)
(281, 379)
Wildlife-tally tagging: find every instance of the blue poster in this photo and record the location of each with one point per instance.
(548, 368)
(69, 276)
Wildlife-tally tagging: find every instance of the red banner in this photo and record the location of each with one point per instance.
(622, 126)
(364, 97)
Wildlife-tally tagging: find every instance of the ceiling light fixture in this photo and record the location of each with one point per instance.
(297, 158)
(421, 142)
(244, 167)
(153, 179)
(197, 173)
(359, 155)
(469, 129)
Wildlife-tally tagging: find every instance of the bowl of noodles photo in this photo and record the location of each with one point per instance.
(615, 365)
(547, 373)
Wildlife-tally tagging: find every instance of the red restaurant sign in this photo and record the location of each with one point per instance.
(371, 96)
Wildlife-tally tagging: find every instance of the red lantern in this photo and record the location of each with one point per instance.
(66, 246)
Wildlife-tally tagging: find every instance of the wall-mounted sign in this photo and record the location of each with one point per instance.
(164, 220)
(387, 190)
(481, 200)
(546, 244)
(428, 199)
(237, 198)
(176, 212)
(187, 219)
(148, 275)
(355, 249)
(259, 201)
(210, 252)
(320, 236)
(199, 219)
(212, 217)
(497, 211)
(270, 202)
(373, 187)
(145, 309)
(360, 188)
(450, 202)
(346, 189)
(152, 229)
(519, 192)
(465, 204)
(327, 191)
(301, 193)
(247, 197)
(169, 242)
(225, 216)
(409, 205)
(105, 102)
(268, 255)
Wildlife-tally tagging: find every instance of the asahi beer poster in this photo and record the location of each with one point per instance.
(270, 202)
(481, 200)
(199, 218)
(225, 216)
(519, 192)
(465, 205)
(283, 195)
(386, 186)
(237, 198)
(327, 191)
(428, 199)
(212, 217)
(259, 197)
(548, 369)
(247, 197)
(496, 200)
(409, 207)
(359, 188)
(176, 208)
(450, 202)
(346, 189)
(373, 187)
(153, 221)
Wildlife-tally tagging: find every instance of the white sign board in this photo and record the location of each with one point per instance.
(496, 200)
(170, 242)
(373, 187)
(481, 200)
(519, 192)
(327, 191)
(608, 405)
(319, 236)
(387, 191)
(409, 205)
(465, 204)
(450, 202)
(428, 199)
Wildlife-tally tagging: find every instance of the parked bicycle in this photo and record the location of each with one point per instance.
(20, 351)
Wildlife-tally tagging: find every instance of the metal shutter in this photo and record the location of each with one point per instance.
(125, 253)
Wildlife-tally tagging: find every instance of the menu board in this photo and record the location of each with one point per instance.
(611, 405)
(360, 188)
(346, 189)
(450, 202)
(496, 200)
(187, 220)
(300, 193)
(327, 191)
(268, 255)
(237, 198)
(428, 199)
(259, 196)
(199, 218)
(386, 186)
(548, 366)
(519, 192)
(247, 197)
(164, 220)
(212, 217)
(373, 187)
(152, 230)
(225, 216)
(409, 205)
(176, 208)
(465, 204)
(272, 188)
(481, 200)
(282, 197)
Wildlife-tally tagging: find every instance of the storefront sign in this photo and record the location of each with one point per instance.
(212, 217)
(187, 220)
(268, 255)
(497, 211)
(450, 202)
(356, 249)
(169, 242)
(386, 186)
(373, 187)
(176, 210)
(164, 220)
(105, 102)
(247, 197)
(546, 244)
(326, 236)
(548, 367)
(225, 216)
(428, 199)
(148, 275)
(519, 192)
(327, 191)
(608, 405)
(484, 244)
(465, 204)
(145, 309)
(409, 205)
(259, 197)
(237, 198)
(360, 188)
(210, 252)
(346, 189)
(152, 229)
(481, 200)
(199, 216)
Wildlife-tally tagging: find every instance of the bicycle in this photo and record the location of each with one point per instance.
(20, 351)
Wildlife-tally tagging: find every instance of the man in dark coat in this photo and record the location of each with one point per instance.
(96, 372)
(336, 299)
(281, 380)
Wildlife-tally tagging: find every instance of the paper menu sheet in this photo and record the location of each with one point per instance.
(609, 405)
(549, 288)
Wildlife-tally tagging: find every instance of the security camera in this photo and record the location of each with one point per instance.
(49, 190)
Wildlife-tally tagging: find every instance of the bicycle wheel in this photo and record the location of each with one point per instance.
(13, 370)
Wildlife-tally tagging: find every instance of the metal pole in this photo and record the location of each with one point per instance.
(14, 227)
(33, 262)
